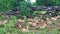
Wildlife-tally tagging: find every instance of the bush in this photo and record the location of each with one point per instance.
(24, 7)
(6, 5)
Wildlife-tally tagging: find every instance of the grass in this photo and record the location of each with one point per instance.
(40, 12)
(9, 28)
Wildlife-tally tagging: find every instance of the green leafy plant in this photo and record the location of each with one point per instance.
(2, 17)
(2, 30)
(6, 5)
(54, 31)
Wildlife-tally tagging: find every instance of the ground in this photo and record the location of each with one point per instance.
(29, 26)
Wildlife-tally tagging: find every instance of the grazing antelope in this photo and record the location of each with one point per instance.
(3, 22)
(55, 18)
(48, 21)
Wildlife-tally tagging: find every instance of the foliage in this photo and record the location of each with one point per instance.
(24, 7)
(2, 30)
(2, 17)
(54, 31)
(9, 27)
(48, 2)
(6, 5)
(40, 12)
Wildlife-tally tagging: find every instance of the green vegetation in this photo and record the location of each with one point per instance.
(48, 3)
(23, 6)
(9, 26)
(40, 12)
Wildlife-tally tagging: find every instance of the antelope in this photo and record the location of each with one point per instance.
(3, 22)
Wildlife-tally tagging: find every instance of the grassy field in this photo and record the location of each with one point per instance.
(8, 26)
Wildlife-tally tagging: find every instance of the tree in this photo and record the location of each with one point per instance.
(45, 2)
(24, 8)
(6, 5)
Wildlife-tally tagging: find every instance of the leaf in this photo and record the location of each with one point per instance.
(2, 30)
(54, 31)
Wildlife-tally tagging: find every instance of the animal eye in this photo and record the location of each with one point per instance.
(37, 23)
